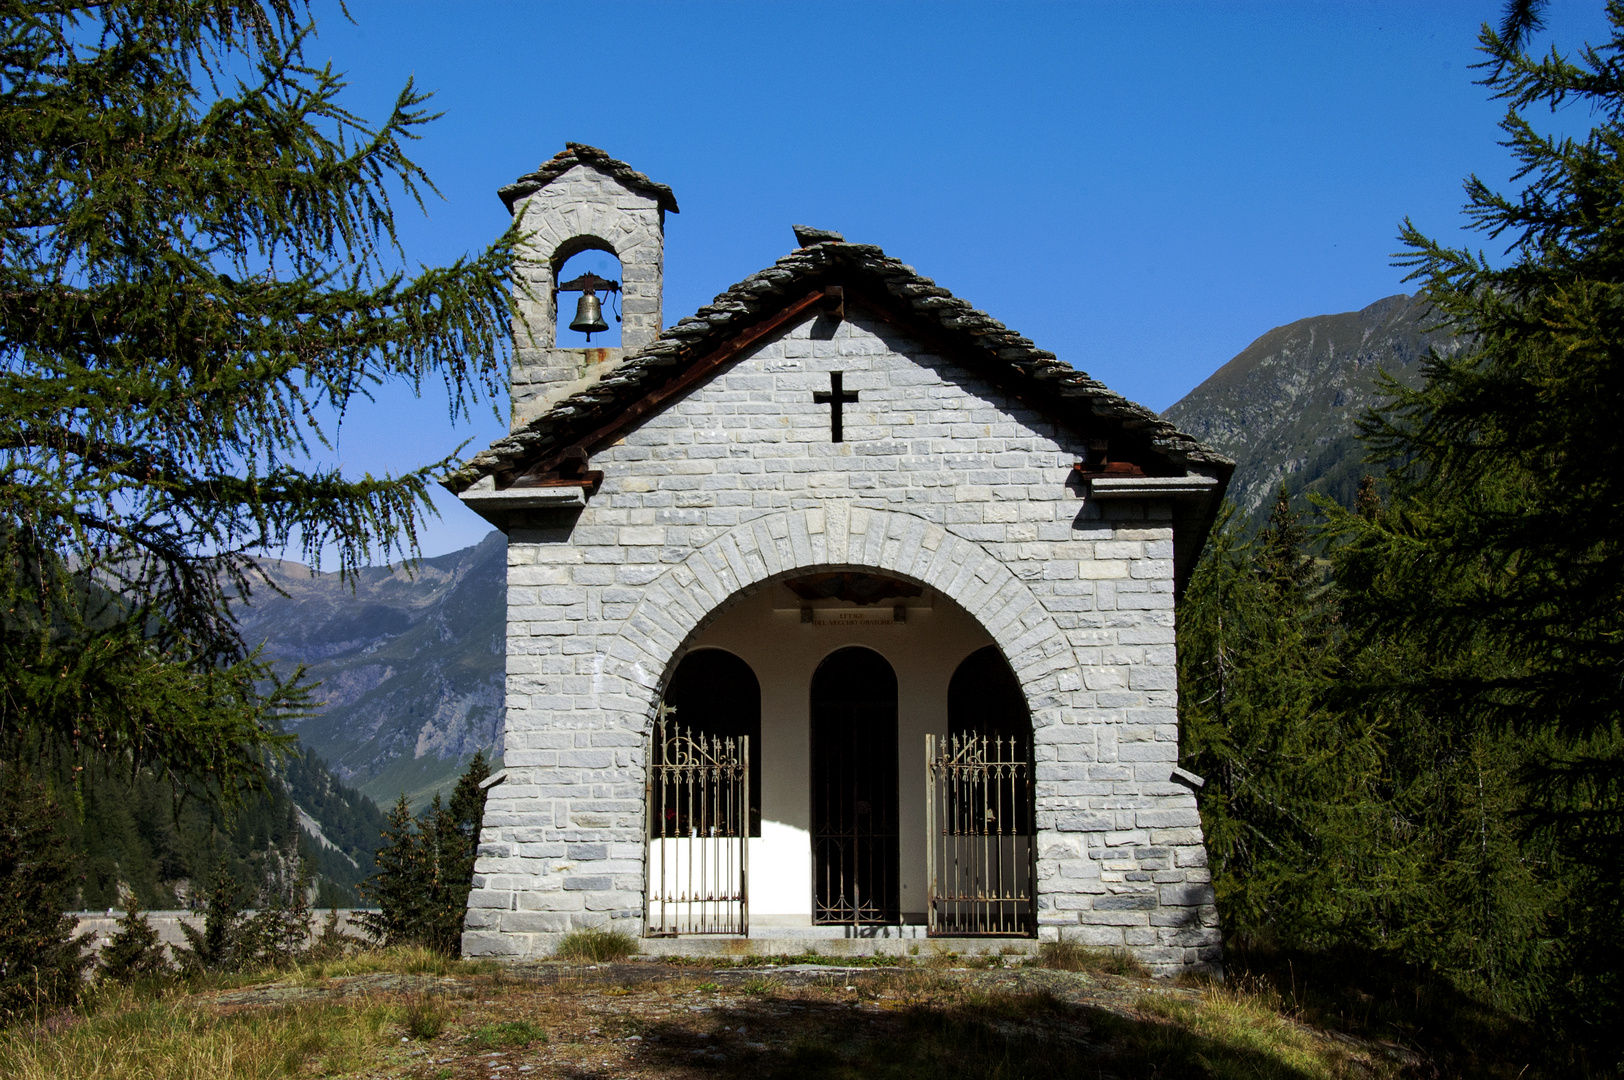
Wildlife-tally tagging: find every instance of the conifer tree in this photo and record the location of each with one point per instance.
(198, 271)
(1495, 573)
(402, 885)
(456, 833)
(134, 952)
(219, 945)
(426, 868)
(41, 960)
(1289, 796)
(1284, 563)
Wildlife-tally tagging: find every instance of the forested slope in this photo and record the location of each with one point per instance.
(133, 834)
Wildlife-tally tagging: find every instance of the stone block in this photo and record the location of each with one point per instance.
(1187, 817)
(1102, 569)
(1093, 916)
(1132, 902)
(1186, 895)
(1095, 937)
(535, 922)
(589, 883)
(1084, 821)
(490, 944)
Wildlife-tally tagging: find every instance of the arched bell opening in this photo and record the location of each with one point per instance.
(587, 280)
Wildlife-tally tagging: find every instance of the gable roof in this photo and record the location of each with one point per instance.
(575, 154)
(783, 294)
(828, 274)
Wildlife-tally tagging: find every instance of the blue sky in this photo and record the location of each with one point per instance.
(1141, 188)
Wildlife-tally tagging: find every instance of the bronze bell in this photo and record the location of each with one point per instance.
(589, 315)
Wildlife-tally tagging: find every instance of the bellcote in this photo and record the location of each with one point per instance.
(581, 200)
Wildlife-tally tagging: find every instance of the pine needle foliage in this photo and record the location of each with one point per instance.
(198, 270)
(426, 868)
(1338, 814)
(41, 960)
(1421, 759)
(398, 888)
(1497, 569)
(134, 953)
(1292, 782)
(219, 946)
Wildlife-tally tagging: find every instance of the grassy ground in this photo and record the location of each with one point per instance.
(412, 1015)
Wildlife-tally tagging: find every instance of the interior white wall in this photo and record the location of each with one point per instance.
(765, 630)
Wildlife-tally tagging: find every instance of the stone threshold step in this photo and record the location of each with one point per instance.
(788, 945)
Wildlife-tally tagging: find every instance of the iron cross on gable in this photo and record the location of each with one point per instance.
(835, 397)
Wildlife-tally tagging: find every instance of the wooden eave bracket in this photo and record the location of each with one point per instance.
(834, 301)
(568, 469)
(1089, 470)
(566, 487)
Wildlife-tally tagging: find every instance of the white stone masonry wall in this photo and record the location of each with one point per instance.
(941, 480)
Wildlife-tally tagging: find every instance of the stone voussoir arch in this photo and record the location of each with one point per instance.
(565, 250)
(838, 536)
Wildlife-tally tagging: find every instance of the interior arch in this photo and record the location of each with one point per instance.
(715, 693)
(744, 561)
(985, 698)
(855, 828)
(985, 703)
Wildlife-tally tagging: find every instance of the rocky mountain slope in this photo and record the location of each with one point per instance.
(1288, 406)
(410, 664)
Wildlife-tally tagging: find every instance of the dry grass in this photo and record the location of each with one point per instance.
(594, 946)
(424, 1017)
(175, 1040)
(1069, 956)
(507, 1035)
(403, 1015)
(1248, 1022)
(401, 959)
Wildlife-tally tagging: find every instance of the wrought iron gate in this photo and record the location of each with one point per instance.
(981, 849)
(696, 877)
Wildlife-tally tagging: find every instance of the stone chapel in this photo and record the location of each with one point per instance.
(838, 614)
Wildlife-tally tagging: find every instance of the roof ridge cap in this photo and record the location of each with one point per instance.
(575, 153)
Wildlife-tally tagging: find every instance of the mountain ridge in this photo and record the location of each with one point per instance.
(409, 659)
(1286, 407)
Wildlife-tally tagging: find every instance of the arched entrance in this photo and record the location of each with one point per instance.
(854, 790)
(758, 595)
(834, 679)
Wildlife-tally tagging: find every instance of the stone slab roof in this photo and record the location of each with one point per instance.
(872, 278)
(575, 154)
